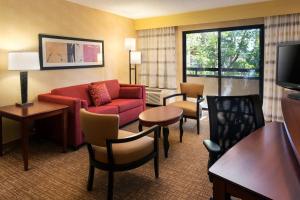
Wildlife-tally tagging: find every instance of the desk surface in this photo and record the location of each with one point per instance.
(263, 163)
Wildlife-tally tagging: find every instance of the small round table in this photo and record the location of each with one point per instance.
(162, 116)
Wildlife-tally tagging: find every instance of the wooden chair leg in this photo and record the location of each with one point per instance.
(91, 178)
(185, 119)
(156, 166)
(110, 185)
(198, 126)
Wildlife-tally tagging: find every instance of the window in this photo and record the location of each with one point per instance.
(230, 59)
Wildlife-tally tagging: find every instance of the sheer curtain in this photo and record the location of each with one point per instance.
(158, 47)
(277, 29)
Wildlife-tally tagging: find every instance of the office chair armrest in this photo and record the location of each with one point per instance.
(154, 129)
(211, 146)
(200, 99)
(174, 95)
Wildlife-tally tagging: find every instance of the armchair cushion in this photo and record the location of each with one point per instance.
(126, 152)
(131, 93)
(189, 108)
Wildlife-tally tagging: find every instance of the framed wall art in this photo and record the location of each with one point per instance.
(57, 52)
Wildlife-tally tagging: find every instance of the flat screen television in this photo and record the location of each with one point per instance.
(288, 67)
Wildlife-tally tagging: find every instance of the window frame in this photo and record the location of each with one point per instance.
(219, 68)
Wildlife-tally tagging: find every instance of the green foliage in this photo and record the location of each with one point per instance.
(239, 50)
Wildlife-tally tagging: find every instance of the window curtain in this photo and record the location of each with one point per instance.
(158, 47)
(277, 29)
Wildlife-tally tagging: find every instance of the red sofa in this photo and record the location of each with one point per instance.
(127, 100)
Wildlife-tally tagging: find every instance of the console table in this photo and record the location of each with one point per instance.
(264, 165)
(27, 115)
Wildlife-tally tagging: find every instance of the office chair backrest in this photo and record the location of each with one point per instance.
(99, 127)
(233, 118)
(191, 89)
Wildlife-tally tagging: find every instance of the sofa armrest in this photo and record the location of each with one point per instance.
(73, 103)
(142, 88)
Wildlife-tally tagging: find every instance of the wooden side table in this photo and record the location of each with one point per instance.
(27, 115)
(162, 116)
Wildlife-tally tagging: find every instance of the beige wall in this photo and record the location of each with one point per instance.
(180, 30)
(22, 20)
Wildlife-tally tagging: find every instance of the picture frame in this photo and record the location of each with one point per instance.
(59, 52)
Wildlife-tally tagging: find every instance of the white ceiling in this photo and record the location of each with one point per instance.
(150, 8)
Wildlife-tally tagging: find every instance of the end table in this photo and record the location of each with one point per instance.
(26, 115)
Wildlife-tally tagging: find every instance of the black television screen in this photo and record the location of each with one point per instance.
(288, 65)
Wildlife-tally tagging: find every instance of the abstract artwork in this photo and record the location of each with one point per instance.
(58, 52)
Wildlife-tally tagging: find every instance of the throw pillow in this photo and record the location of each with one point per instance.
(99, 94)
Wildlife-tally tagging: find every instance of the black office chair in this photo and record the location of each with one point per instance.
(231, 118)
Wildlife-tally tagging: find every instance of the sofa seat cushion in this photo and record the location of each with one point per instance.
(124, 153)
(126, 104)
(103, 109)
(189, 108)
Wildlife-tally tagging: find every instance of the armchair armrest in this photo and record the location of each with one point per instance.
(174, 95)
(154, 128)
(212, 147)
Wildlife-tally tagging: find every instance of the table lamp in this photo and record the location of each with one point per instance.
(23, 62)
(130, 46)
(135, 59)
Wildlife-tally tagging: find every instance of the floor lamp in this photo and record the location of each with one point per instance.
(135, 59)
(23, 62)
(130, 46)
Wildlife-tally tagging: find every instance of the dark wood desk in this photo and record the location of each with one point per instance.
(261, 166)
(27, 115)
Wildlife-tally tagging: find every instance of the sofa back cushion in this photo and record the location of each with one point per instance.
(112, 86)
(131, 93)
(77, 91)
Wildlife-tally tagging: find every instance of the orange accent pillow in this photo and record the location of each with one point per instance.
(99, 94)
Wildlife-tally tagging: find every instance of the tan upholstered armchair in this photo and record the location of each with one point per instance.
(190, 109)
(114, 150)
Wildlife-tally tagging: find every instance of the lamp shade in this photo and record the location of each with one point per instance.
(23, 61)
(136, 57)
(130, 43)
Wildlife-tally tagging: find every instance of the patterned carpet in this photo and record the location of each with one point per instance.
(55, 175)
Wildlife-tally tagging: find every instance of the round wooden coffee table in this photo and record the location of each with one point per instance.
(162, 116)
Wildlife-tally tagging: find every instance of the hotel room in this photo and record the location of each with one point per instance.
(130, 99)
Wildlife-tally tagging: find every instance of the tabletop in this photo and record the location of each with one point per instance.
(161, 114)
(263, 163)
(36, 109)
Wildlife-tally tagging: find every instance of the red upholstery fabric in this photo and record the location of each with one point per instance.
(78, 91)
(75, 136)
(77, 97)
(130, 115)
(104, 109)
(126, 104)
(112, 86)
(143, 92)
(131, 93)
(99, 94)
